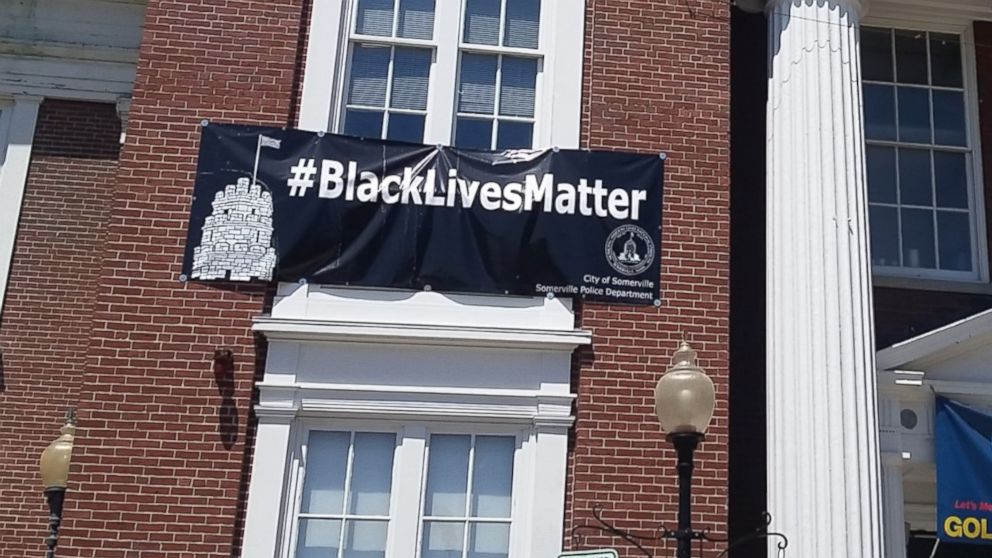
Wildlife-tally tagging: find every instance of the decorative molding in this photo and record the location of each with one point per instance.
(276, 329)
(824, 485)
(17, 124)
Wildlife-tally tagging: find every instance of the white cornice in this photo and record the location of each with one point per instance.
(283, 329)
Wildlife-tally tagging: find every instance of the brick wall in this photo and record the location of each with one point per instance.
(160, 463)
(48, 309)
(657, 79)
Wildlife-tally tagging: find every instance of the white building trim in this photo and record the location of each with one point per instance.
(371, 359)
(558, 110)
(824, 475)
(18, 116)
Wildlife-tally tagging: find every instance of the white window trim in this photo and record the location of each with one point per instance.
(298, 393)
(17, 125)
(405, 530)
(559, 86)
(906, 277)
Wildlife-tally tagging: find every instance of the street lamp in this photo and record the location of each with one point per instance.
(684, 400)
(54, 468)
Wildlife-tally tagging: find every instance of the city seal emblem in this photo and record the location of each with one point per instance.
(630, 250)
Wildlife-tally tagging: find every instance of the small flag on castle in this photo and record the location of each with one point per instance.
(263, 141)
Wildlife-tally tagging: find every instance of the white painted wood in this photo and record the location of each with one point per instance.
(558, 110)
(316, 330)
(420, 362)
(410, 466)
(823, 461)
(73, 49)
(564, 115)
(267, 493)
(909, 12)
(382, 306)
(322, 65)
(892, 493)
(19, 119)
(443, 94)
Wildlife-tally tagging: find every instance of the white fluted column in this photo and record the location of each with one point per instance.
(823, 461)
(894, 507)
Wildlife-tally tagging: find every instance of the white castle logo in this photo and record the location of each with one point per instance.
(237, 237)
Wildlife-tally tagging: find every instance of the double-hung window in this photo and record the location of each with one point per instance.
(400, 71)
(482, 74)
(350, 507)
(924, 204)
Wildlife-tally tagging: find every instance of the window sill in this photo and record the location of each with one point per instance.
(942, 285)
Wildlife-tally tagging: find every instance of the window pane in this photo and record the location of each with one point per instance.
(514, 135)
(492, 477)
(411, 70)
(876, 54)
(954, 237)
(375, 17)
(914, 114)
(516, 91)
(489, 540)
(881, 162)
(884, 235)
(442, 540)
(911, 56)
(482, 22)
(327, 462)
(477, 86)
(365, 539)
(416, 19)
(952, 179)
(917, 239)
(473, 133)
(372, 474)
(318, 538)
(914, 177)
(880, 112)
(447, 476)
(948, 118)
(945, 60)
(522, 23)
(406, 127)
(363, 123)
(369, 68)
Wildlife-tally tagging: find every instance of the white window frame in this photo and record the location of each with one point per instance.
(557, 108)
(928, 278)
(18, 116)
(426, 361)
(409, 480)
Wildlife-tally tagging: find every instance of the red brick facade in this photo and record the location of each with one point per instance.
(48, 311)
(161, 461)
(657, 79)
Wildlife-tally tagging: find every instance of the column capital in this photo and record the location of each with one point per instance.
(758, 6)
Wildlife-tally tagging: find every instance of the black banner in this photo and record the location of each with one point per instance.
(293, 205)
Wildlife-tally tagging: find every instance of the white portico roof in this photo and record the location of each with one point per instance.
(960, 351)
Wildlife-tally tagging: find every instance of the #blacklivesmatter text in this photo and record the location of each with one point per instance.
(336, 180)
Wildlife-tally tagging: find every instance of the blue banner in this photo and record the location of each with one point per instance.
(964, 473)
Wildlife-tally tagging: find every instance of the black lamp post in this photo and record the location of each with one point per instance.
(54, 467)
(684, 400)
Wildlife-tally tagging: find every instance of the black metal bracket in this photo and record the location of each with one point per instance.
(637, 540)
